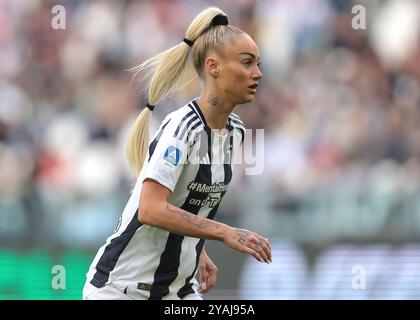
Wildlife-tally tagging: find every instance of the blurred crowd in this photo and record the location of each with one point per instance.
(341, 272)
(340, 109)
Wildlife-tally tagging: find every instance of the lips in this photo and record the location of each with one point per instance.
(253, 88)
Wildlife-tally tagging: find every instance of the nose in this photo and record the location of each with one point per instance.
(258, 74)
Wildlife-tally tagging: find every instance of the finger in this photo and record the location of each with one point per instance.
(269, 246)
(254, 254)
(266, 249)
(202, 287)
(211, 266)
(268, 242)
(211, 276)
(256, 245)
(211, 282)
(211, 269)
(201, 276)
(265, 244)
(205, 287)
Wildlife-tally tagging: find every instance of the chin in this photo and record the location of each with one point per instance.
(249, 99)
(246, 99)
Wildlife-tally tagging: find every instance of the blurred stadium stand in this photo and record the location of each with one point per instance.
(341, 113)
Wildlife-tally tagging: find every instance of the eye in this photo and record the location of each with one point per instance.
(258, 64)
(247, 62)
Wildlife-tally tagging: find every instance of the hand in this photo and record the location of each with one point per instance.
(207, 273)
(248, 242)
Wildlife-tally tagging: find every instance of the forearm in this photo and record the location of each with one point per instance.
(173, 219)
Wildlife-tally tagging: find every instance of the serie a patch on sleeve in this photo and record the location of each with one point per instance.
(172, 155)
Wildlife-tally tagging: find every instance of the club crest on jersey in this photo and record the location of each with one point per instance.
(172, 155)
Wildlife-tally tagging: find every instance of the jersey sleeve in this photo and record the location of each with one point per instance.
(167, 155)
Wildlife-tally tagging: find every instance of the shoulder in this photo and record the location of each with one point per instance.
(237, 124)
(182, 122)
(236, 120)
(179, 114)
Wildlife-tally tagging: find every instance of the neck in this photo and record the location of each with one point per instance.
(215, 110)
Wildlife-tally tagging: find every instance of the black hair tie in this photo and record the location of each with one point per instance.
(149, 106)
(219, 20)
(189, 42)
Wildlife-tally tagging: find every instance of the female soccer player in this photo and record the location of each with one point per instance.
(184, 172)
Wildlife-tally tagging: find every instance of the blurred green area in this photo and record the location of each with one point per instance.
(29, 275)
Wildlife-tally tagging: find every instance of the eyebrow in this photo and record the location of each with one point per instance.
(250, 54)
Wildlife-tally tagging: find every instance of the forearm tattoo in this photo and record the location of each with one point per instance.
(213, 100)
(242, 234)
(192, 219)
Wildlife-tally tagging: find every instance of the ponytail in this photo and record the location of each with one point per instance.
(169, 71)
(138, 141)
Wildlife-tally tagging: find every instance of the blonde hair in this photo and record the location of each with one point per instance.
(171, 70)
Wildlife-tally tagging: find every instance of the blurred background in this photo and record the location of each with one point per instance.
(339, 196)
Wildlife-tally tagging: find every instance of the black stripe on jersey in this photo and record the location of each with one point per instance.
(238, 122)
(188, 115)
(209, 143)
(187, 288)
(154, 143)
(192, 128)
(228, 145)
(112, 253)
(235, 119)
(228, 178)
(167, 271)
(208, 131)
(234, 115)
(197, 110)
(241, 130)
(188, 126)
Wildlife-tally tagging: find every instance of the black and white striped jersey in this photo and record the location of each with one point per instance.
(153, 263)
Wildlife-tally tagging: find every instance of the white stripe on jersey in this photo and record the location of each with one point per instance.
(151, 262)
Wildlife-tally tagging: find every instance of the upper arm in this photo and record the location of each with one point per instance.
(167, 156)
(153, 192)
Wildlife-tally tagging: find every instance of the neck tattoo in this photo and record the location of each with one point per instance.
(213, 100)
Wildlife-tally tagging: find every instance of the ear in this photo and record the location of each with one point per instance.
(212, 66)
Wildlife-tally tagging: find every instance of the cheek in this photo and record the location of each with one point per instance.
(236, 84)
(234, 80)
(240, 77)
